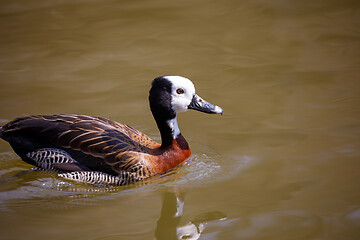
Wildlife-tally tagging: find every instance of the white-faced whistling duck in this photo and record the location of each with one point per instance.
(100, 151)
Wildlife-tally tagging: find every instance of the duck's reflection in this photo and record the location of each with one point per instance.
(169, 225)
(43, 189)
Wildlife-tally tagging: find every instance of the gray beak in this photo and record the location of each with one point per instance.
(199, 104)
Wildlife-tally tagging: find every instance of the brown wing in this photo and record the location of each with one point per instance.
(94, 142)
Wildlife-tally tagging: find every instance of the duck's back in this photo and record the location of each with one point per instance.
(67, 143)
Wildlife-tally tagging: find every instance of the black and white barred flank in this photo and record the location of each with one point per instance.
(101, 178)
(46, 158)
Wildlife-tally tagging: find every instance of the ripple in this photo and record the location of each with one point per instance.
(19, 188)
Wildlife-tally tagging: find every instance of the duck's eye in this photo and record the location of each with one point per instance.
(180, 91)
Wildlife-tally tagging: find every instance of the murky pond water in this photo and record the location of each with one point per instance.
(283, 162)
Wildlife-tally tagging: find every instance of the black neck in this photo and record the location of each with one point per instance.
(167, 135)
(166, 132)
(161, 108)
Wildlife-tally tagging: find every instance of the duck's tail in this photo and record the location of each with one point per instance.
(1, 132)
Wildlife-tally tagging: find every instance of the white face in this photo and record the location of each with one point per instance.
(182, 92)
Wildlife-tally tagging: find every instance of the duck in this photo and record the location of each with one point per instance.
(97, 150)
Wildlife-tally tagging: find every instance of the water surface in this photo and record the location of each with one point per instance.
(281, 163)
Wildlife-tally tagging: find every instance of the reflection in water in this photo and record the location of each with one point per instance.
(49, 192)
(20, 187)
(171, 212)
(169, 225)
(43, 189)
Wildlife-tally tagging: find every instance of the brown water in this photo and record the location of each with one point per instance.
(282, 163)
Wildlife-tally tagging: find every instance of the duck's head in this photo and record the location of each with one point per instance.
(170, 95)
